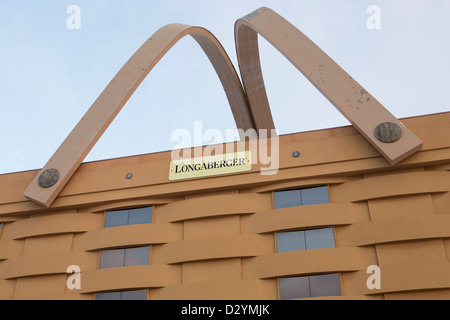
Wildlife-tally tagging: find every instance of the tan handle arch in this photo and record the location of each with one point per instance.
(62, 165)
(249, 105)
(388, 135)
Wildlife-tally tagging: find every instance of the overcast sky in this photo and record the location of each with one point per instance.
(50, 74)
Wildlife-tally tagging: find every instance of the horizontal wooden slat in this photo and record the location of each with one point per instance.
(10, 248)
(312, 216)
(421, 227)
(220, 290)
(395, 184)
(412, 277)
(214, 206)
(46, 265)
(53, 224)
(233, 246)
(305, 262)
(128, 236)
(130, 278)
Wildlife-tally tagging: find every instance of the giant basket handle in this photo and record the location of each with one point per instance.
(59, 169)
(385, 132)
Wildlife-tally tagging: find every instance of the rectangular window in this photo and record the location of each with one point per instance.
(124, 295)
(301, 197)
(128, 217)
(320, 239)
(327, 285)
(124, 257)
(291, 241)
(305, 240)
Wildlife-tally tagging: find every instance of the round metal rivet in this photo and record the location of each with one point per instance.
(48, 178)
(388, 132)
(129, 176)
(296, 154)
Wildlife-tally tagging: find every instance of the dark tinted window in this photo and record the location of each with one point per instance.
(125, 295)
(291, 241)
(305, 240)
(128, 217)
(140, 216)
(134, 295)
(112, 258)
(315, 196)
(137, 256)
(327, 285)
(116, 218)
(301, 197)
(319, 239)
(285, 199)
(124, 257)
(294, 288)
(108, 296)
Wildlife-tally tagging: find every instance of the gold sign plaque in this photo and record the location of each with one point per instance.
(210, 165)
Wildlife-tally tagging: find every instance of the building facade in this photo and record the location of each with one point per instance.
(334, 209)
(357, 212)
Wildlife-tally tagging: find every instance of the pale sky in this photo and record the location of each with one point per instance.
(50, 75)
